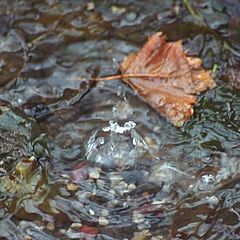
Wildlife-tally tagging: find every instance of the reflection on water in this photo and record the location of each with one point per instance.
(92, 161)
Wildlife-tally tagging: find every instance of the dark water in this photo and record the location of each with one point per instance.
(92, 161)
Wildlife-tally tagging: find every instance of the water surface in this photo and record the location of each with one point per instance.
(83, 160)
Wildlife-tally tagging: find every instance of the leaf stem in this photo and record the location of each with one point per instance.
(123, 76)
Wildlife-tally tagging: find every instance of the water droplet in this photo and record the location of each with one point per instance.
(129, 125)
(116, 128)
(135, 141)
(119, 148)
(206, 182)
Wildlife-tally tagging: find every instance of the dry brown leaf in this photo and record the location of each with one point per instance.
(166, 78)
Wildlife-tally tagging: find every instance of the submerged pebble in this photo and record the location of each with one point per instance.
(76, 226)
(159, 237)
(115, 177)
(137, 217)
(91, 212)
(90, 6)
(94, 173)
(105, 212)
(72, 187)
(27, 237)
(143, 235)
(50, 226)
(102, 221)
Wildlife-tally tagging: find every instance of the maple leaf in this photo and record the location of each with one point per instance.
(165, 78)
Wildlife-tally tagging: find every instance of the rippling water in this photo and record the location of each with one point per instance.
(81, 160)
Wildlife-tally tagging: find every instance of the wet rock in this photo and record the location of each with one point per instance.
(24, 175)
(17, 133)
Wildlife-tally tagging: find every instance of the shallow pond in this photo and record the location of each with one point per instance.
(83, 160)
